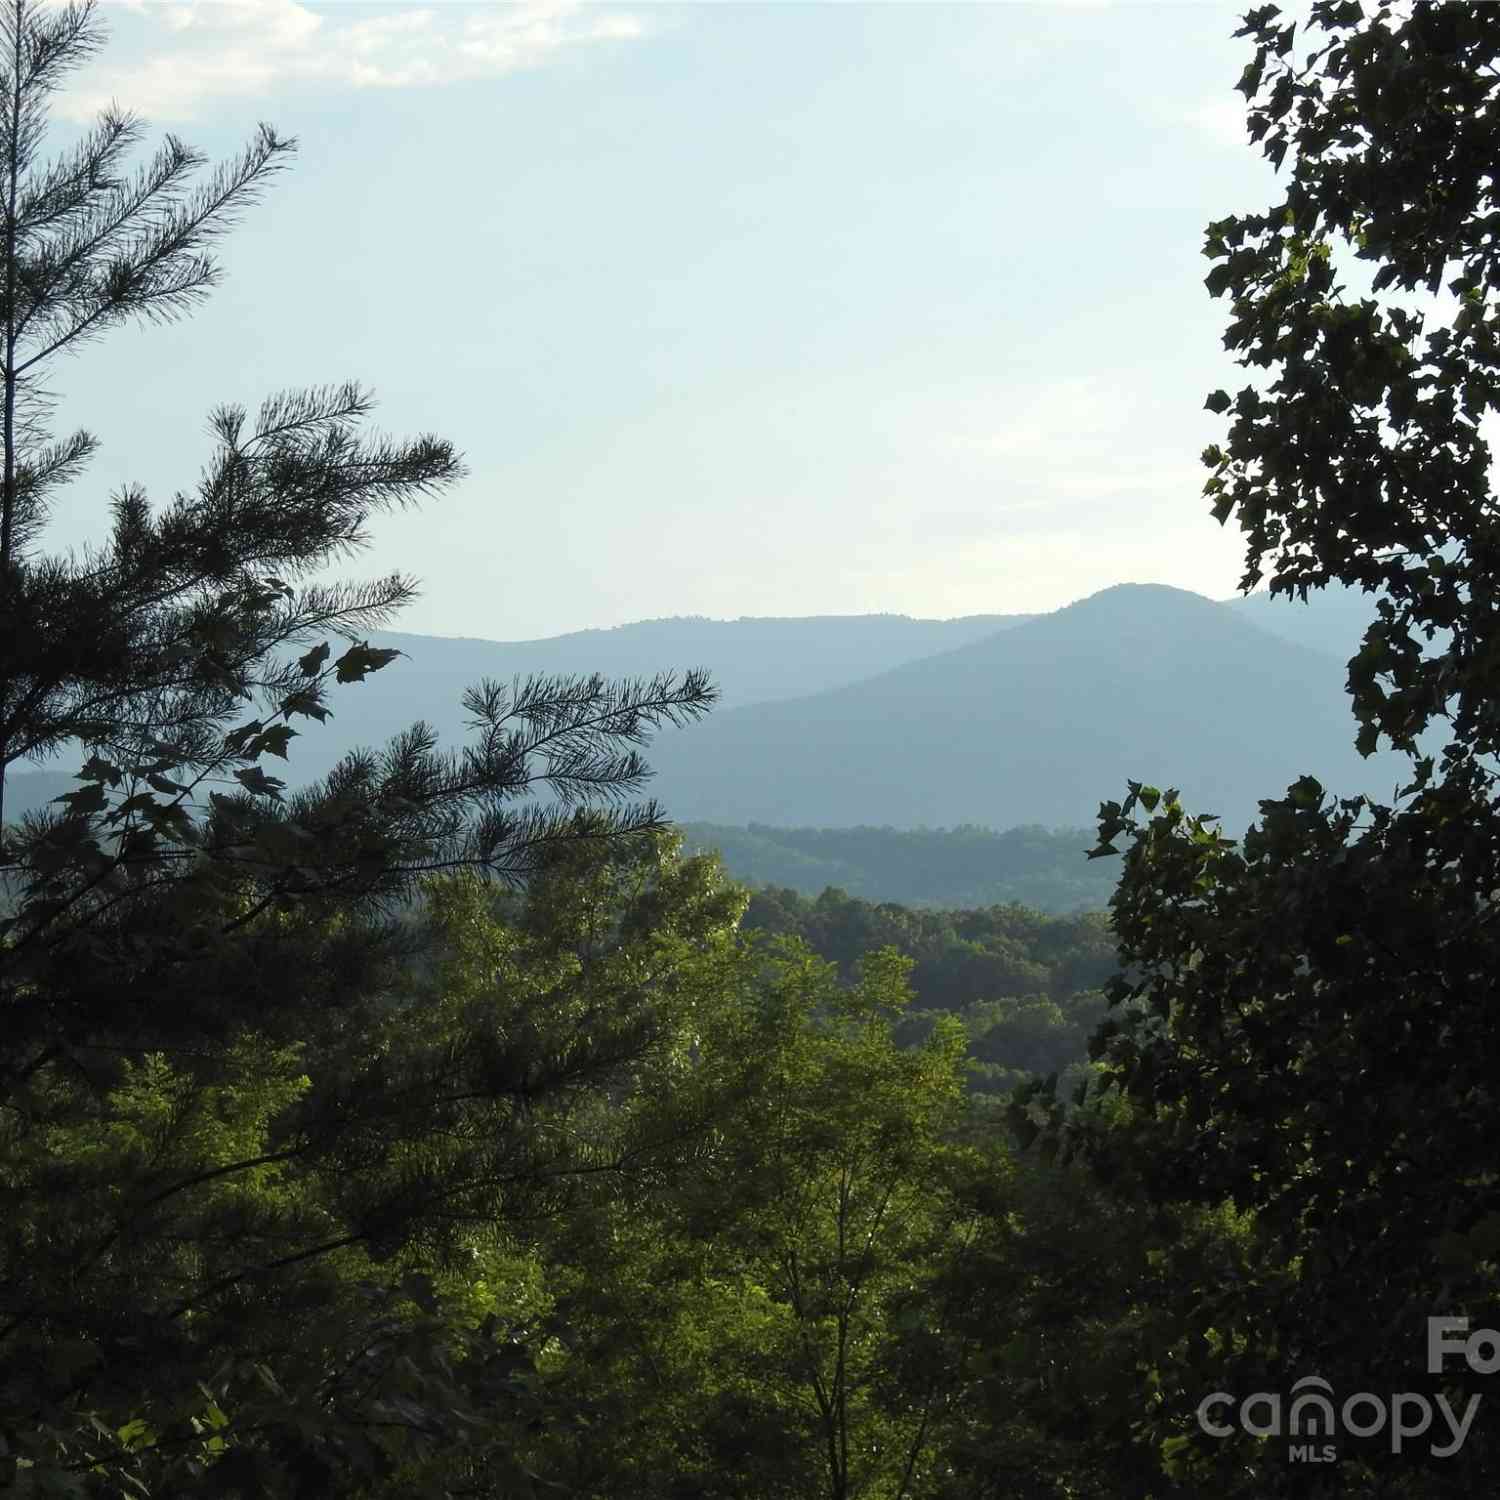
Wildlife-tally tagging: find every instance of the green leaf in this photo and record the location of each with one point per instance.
(96, 769)
(277, 737)
(272, 740)
(304, 703)
(89, 799)
(1218, 402)
(174, 822)
(313, 661)
(358, 660)
(237, 739)
(256, 780)
(1306, 793)
(134, 1432)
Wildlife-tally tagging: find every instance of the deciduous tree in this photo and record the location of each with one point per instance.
(1317, 1040)
(734, 1329)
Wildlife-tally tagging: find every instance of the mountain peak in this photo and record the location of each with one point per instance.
(1131, 594)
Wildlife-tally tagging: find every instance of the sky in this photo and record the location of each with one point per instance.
(731, 309)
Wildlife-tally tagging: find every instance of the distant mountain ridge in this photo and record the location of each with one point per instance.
(1038, 723)
(995, 720)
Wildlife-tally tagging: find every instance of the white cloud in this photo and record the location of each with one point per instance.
(203, 51)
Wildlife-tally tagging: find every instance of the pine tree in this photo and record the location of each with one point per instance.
(144, 651)
(199, 1053)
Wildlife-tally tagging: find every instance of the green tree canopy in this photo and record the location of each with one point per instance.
(1313, 1036)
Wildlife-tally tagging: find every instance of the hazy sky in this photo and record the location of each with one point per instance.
(771, 309)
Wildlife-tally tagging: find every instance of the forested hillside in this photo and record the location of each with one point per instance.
(1028, 987)
(957, 868)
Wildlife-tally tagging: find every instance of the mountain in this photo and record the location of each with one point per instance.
(996, 720)
(1036, 724)
(1333, 619)
(752, 660)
